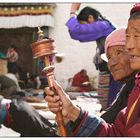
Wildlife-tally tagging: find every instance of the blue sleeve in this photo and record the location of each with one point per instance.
(88, 32)
(88, 126)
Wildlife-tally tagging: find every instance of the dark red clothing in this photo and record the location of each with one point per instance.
(120, 128)
(95, 126)
(78, 81)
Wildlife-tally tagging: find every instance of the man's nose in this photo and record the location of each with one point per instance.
(130, 43)
(112, 61)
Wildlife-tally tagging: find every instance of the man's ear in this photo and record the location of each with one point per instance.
(90, 19)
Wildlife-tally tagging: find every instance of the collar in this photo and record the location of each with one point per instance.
(138, 75)
(137, 81)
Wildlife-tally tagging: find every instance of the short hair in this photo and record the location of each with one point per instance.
(83, 70)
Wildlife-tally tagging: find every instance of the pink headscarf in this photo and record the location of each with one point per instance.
(117, 37)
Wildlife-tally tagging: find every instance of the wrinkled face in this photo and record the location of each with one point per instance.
(133, 42)
(119, 62)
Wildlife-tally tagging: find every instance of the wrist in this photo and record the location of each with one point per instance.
(73, 13)
(74, 113)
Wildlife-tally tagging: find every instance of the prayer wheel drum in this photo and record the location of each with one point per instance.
(42, 48)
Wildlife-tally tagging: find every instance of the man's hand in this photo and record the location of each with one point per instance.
(61, 102)
(74, 8)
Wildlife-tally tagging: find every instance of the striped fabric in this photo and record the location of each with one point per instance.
(103, 88)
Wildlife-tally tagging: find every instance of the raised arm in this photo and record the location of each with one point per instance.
(74, 8)
(83, 30)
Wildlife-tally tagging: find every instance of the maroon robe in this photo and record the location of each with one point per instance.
(78, 81)
(120, 127)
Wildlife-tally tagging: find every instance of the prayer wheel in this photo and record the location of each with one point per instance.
(45, 49)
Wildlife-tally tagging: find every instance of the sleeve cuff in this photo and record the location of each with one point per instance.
(88, 125)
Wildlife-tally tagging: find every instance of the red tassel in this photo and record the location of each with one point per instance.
(8, 116)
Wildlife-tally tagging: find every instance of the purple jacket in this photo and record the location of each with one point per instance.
(88, 32)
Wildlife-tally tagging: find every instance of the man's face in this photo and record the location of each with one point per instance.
(133, 43)
(119, 62)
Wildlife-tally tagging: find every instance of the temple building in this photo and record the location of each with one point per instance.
(18, 26)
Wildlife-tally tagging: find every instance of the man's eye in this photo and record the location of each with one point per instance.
(120, 52)
(137, 36)
(108, 57)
